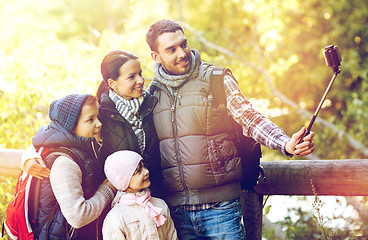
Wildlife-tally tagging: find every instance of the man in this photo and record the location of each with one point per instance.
(200, 163)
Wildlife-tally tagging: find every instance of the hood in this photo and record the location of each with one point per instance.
(54, 135)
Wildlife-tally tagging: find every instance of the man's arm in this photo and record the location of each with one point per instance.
(260, 128)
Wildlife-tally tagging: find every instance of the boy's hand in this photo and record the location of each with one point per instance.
(304, 148)
(37, 168)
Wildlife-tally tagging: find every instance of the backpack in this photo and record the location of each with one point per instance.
(249, 150)
(21, 213)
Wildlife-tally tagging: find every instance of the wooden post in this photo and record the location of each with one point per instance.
(252, 204)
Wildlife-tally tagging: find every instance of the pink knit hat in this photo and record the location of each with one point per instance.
(120, 167)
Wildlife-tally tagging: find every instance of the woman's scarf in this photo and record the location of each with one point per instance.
(128, 109)
(143, 200)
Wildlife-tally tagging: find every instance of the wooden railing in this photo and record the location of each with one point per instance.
(347, 177)
(10, 162)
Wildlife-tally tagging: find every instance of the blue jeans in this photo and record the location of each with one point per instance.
(223, 221)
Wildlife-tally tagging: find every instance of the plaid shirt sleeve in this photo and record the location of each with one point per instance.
(254, 124)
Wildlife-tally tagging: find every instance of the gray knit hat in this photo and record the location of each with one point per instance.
(66, 110)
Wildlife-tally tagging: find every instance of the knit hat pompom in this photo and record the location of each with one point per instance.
(66, 110)
(120, 167)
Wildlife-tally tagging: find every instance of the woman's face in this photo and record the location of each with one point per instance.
(130, 81)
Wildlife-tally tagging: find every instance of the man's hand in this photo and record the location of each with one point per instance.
(304, 148)
(37, 168)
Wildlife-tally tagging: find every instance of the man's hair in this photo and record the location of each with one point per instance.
(158, 28)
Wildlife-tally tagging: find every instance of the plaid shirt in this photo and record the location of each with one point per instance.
(254, 125)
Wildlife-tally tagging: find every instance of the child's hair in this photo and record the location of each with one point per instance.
(110, 68)
(90, 100)
(66, 111)
(139, 168)
(121, 166)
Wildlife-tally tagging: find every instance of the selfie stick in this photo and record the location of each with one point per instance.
(333, 59)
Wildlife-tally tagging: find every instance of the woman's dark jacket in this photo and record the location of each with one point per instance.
(51, 137)
(117, 134)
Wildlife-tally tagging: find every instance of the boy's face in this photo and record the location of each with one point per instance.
(88, 123)
(130, 81)
(139, 180)
(173, 53)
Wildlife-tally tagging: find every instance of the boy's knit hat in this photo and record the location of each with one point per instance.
(66, 110)
(120, 167)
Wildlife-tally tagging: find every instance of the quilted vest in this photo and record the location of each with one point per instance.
(200, 161)
(91, 179)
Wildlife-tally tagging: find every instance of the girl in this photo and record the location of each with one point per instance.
(74, 190)
(135, 214)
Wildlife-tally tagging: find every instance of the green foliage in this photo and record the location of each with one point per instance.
(7, 187)
(286, 39)
(318, 217)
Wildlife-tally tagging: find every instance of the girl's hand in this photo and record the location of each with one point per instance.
(107, 183)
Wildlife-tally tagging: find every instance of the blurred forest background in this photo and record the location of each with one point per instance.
(273, 47)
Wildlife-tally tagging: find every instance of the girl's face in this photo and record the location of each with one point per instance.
(88, 123)
(130, 81)
(139, 180)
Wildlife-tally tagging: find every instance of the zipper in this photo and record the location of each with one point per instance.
(174, 98)
(180, 96)
(94, 150)
(177, 99)
(97, 224)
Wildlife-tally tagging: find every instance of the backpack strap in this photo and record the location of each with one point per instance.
(2, 230)
(249, 150)
(66, 151)
(217, 87)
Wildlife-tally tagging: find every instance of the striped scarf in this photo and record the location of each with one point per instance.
(128, 109)
(174, 81)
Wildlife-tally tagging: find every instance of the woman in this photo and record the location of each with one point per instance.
(126, 113)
